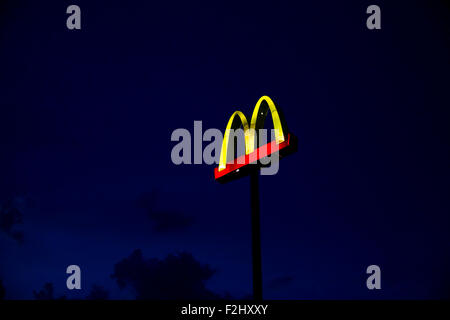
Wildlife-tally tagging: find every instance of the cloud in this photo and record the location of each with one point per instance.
(10, 217)
(2, 291)
(163, 221)
(279, 282)
(177, 276)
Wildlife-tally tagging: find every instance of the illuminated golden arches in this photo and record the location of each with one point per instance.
(234, 123)
(262, 107)
(259, 116)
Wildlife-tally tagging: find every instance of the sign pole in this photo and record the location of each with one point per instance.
(256, 234)
(284, 144)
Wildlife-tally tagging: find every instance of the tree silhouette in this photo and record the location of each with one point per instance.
(98, 293)
(46, 293)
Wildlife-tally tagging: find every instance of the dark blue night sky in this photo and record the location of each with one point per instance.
(85, 126)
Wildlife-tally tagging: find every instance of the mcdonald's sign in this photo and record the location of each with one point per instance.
(285, 142)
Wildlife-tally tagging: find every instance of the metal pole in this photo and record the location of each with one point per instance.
(256, 235)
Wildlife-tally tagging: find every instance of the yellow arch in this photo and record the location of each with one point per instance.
(258, 117)
(226, 137)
